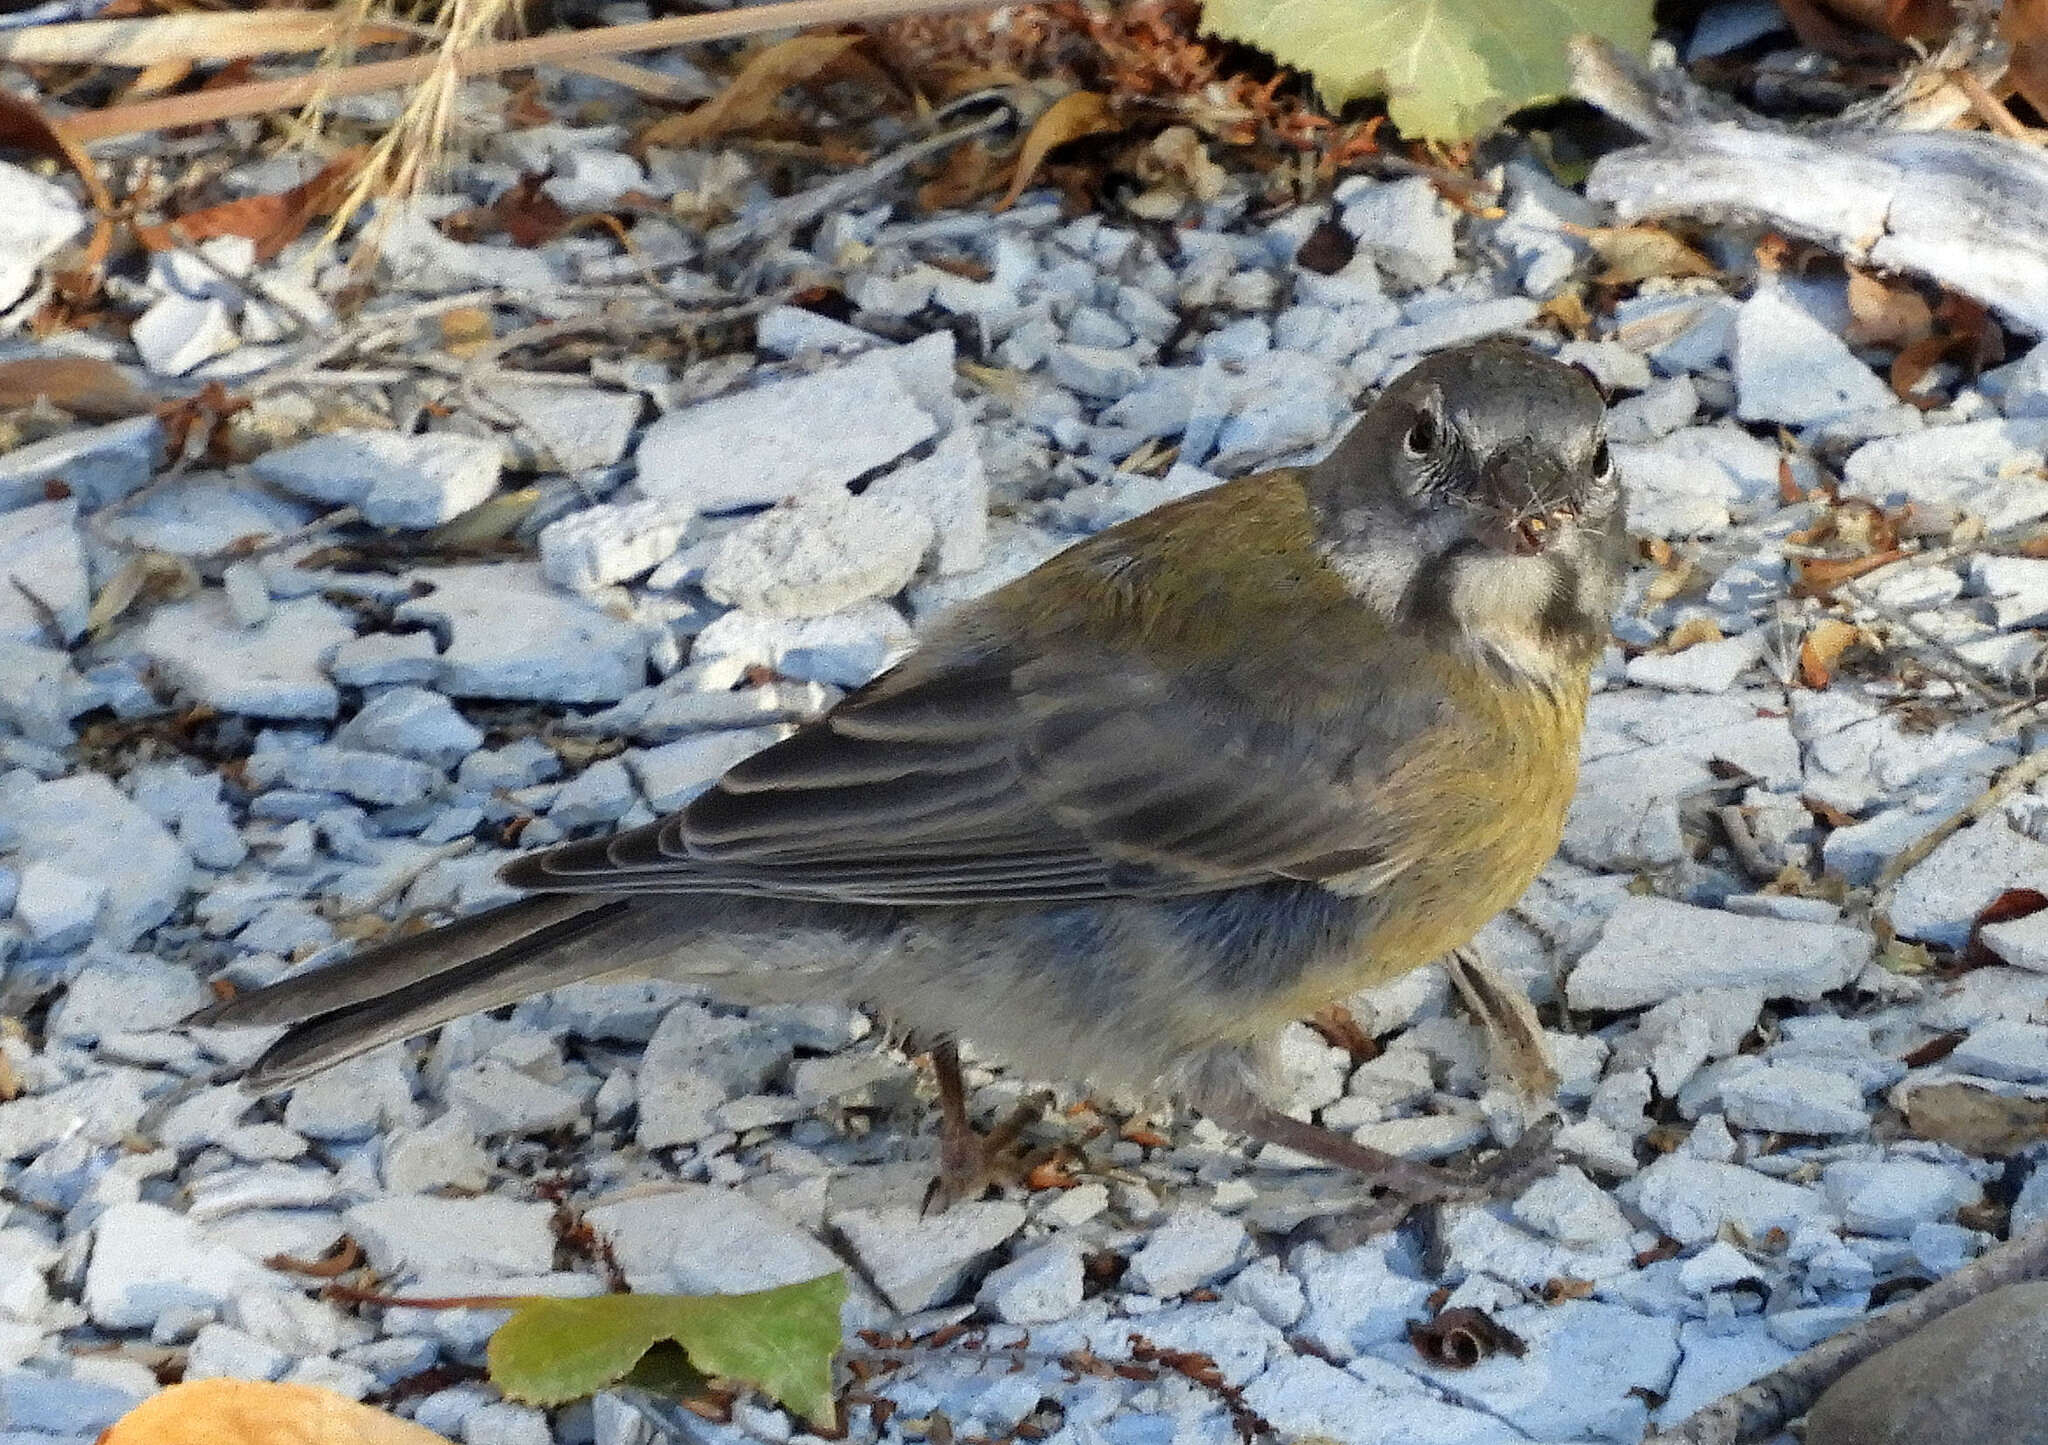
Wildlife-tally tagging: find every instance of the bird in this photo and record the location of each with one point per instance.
(1118, 822)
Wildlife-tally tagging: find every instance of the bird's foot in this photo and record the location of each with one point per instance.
(970, 1163)
(1503, 1176)
(1402, 1184)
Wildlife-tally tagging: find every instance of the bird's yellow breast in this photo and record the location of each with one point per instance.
(1469, 814)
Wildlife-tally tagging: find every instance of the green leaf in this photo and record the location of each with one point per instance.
(780, 1341)
(1448, 68)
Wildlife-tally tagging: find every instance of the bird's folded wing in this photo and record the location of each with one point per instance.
(1000, 781)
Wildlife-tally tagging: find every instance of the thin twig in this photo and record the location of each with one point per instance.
(1760, 1410)
(2016, 776)
(267, 96)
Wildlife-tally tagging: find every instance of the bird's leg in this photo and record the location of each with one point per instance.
(969, 1162)
(1406, 1182)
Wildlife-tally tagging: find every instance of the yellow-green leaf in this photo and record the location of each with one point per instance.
(1448, 68)
(780, 1341)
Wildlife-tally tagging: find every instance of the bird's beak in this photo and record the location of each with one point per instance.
(1528, 492)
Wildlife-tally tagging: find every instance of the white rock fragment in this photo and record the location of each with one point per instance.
(2017, 587)
(1979, 467)
(75, 825)
(1195, 1246)
(1703, 667)
(393, 479)
(844, 649)
(99, 1110)
(380, 658)
(1892, 1197)
(949, 488)
(695, 1239)
(147, 1260)
(178, 334)
(1690, 1199)
(2003, 1049)
(56, 908)
(1654, 949)
(36, 217)
(818, 555)
(1942, 895)
(1408, 230)
(1305, 1398)
(124, 993)
(443, 1154)
(1795, 1099)
(611, 542)
(514, 636)
(601, 793)
(2021, 942)
(98, 464)
(411, 722)
(43, 586)
(1036, 1288)
(670, 775)
(744, 450)
(270, 671)
(1586, 1366)
(1572, 1210)
(920, 1261)
(1790, 368)
(1355, 1299)
(377, 778)
(421, 1234)
(1718, 1358)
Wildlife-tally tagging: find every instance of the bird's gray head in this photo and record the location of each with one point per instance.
(1478, 493)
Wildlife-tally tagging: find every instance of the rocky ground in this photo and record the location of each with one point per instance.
(455, 605)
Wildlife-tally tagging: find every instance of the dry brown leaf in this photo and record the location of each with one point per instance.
(1641, 253)
(1074, 115)
(1789, 494)
(1691, 633)
(256, 1412)
(1886, 313)
(1675, 576)
(1818, 576)
(1461, 1338)
(466, 330)
(1975, 1120)
(147, 574)
(754, 92)
(82, 385)
(1822, 650)
(2024, 26)
(272, 222)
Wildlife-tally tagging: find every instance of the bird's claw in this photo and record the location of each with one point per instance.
(971, 1163)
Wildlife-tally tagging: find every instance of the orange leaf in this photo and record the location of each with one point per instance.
(1886, 315)
(272, 222)
(1822, 649)
(751, 97)
(24, 127)
(1077, 114)
(1818, 576)
(256, 1412)
(1691, 633)
(82, 385)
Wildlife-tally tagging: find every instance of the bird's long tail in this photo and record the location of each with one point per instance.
(412, 984)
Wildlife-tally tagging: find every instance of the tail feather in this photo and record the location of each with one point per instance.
(410, 985)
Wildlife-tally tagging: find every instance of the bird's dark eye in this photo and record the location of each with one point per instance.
(1421, 438)
(1603, 461)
